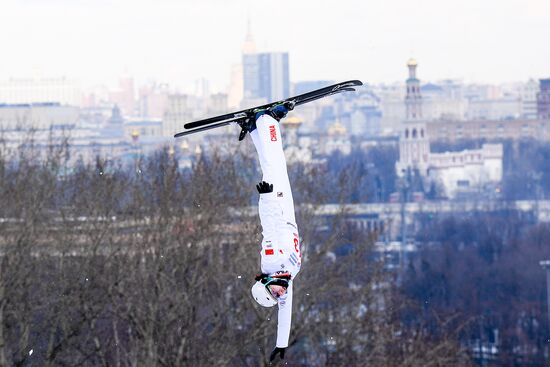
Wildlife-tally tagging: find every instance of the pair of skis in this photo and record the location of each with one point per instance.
(245, 117)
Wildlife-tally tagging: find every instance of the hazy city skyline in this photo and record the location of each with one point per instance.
(182, 41)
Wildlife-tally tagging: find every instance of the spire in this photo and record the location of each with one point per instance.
(249, 46)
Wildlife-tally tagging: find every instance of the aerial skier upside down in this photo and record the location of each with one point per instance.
(280, 250)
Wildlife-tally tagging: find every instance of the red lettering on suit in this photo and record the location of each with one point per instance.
(273, 133)
(297, 245)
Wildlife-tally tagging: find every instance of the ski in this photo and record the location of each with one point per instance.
(244, 116)
(204, 128)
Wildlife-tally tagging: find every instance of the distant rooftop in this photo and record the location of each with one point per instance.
(431, 87)
(26, 105)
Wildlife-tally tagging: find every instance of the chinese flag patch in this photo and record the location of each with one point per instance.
(269, 251)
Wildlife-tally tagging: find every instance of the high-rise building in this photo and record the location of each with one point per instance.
(178, 112)
(217, 104)
(392, 107)
(249, 45)
(251, 76)
(124, 96)
(235, 92)
(266, 76)
(543, 99)
(443, 100)
(153, 100)
(529, 99)
(414, 146)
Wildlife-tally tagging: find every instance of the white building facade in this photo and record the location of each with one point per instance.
(36, 116)
(466, 171)
(32, 90)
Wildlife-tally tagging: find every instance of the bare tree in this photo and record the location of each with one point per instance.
(148, 264)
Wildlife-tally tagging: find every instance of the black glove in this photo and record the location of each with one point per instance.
(264, 188)
(277, 350)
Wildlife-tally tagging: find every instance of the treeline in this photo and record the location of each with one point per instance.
(104, 264)
(370, 175)
(483, 269)
(526, 171)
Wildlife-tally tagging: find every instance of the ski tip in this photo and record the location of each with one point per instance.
(350, 83)
(347, 89)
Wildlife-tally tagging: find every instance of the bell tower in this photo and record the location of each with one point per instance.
(413, 98)
(414, 144)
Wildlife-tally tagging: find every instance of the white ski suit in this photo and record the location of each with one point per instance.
(280, 245)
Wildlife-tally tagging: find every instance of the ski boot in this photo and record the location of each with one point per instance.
(278, 111)
(247, 124)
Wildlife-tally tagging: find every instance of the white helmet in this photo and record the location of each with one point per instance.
(261, 292)
(262, 295)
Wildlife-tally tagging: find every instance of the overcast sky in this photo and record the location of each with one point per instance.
(179, 41)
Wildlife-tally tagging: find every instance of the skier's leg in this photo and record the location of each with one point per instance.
(268, 143)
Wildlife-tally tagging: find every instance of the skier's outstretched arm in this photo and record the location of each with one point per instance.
(284, 318)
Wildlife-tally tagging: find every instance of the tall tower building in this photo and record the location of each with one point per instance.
(250, 67)
(251, 76)
(543, 99)
(414, 149)
(249, 45)
(236, 86)
(528, 95)
(235, 91)
(413, 98)
(414, 145)
(274, 78)
(124, 96)
(177, 113)
(266, 76)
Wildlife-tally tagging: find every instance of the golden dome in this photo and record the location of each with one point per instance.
(293, 121)
(412, 62)
(337, 129)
